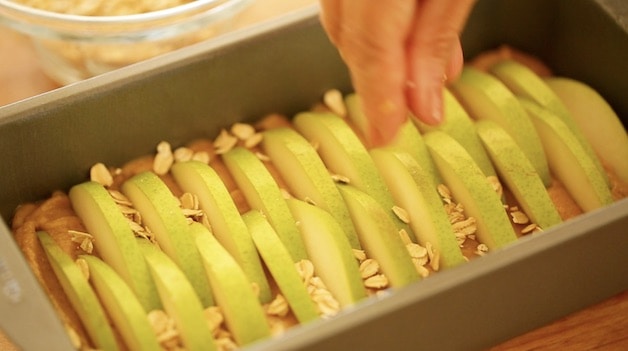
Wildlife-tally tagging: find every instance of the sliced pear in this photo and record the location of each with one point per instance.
(353, 103)
(80, 294)
(471, 188)
(597, 120)
(518, 173)
(526, 83)
(379, 236)
(303, 170)
(344, 154)
(408, 138)
(486, 97)
(114, 239)
(569, 161)
(459, 125)
(124, 308)
(413, 189)
(330, 252)
(281, 266)
(262, 193)
(161, 212)
(234, 294)
(179, 298)
(226, 223)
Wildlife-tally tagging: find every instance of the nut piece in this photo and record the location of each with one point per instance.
(532, 227)
(378, 281)
(253, 140)
(416, 251)
(164, 158)
(278, 307)
(338, 178)
(402, 214)
(224, 142)
(242, 131)
(85, 240)
(262, 156)
(100, 174)
(496, 184)
(334, 101)
(201, 156)
(519, 217)
(214, 318)
(360, 255)
(444, 191)
(481, 250)
(183, 154)
(368, 268)
(305, 269)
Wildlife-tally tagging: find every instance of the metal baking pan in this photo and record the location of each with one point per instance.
(49, 142)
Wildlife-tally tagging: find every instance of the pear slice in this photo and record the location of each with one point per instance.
(524, 82)
(486, 97)
(80, 294)
(459, 125)
(262, 193)
(303, 170)
(471, 188)
(601, 126)
(233, 292)
(344, 154)
(124, 308)
(114, 239)
(379, 236)
(179, 298)
(518, 173)
(569, 161)
(408, 138)
(414, 191)
(161, 212)
(281, 267)
(226, 223)
(330, 252)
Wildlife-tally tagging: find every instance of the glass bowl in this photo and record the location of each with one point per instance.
(73, 47)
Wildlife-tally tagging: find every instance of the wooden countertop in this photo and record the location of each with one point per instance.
(603, 326)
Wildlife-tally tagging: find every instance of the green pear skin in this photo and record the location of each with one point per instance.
(114, 239)
(471, 188)
(80, 294)
(179, 298)
(519, 174)
(226, 223)
(161, 212)
(124, 308)
(303, 170)
(279, 263)
(262, 193)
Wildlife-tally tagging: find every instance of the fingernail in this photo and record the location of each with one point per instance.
(436, 114)
(379, 136)
(431, 106)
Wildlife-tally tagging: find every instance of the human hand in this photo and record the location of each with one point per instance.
(400, 54)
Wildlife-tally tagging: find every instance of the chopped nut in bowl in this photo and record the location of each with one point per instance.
(78, 39)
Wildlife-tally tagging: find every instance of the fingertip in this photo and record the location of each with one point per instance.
(456, 62)
(426, 101)
(384, 122)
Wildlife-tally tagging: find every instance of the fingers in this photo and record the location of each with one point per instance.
(330, 18)
(399, 53)
(434, 55)
(371, 41)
